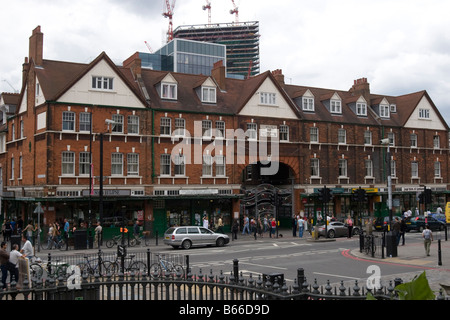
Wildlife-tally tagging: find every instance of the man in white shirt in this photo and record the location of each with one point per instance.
(14, 257)
(27, 249)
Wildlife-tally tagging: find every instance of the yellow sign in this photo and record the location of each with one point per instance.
(447, 212)
(368, 190)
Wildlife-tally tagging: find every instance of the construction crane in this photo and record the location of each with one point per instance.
(169, 14)
(208, 6)
(148, 46)
(235, 11)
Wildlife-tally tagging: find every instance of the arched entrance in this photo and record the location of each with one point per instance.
(268, 196)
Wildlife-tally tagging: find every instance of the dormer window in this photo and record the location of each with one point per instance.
(384, 111)
(361, 109)
(308, 104)
(335, 106)
(209, 95)
(169, 91)
(102, 83)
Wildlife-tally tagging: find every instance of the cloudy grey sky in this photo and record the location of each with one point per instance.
(400, 46)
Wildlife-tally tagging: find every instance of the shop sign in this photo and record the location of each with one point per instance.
(189, 192)
(108, 192)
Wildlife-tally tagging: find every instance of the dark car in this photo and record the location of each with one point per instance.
(418, 223)
(381, 224)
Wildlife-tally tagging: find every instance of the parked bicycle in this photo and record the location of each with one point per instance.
(162, 267)
(94, 266)
(136, 267)
(140, 241)
(114, 241)
(53, 269)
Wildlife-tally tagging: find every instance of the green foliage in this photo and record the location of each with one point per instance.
(417, 289)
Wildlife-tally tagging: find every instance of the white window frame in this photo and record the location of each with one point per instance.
(268, 98)
(436, 142)
(437, 169)
(220, 166)
(361, 109)
(252, 131)
(180, 127)
(336, 106)
(133, 164)
(414, 169)
(315, 167)
(165, 126)
(116, 164)
(169, 91)
(220, 129)
(342, 136)
(413, 140)
(133, 124)
(117, 127)
(209, 95)
(68, 118)
(84, 160)
(165, 166)
(308, 104)
(368, 138)
(384, 111)
(207, 166)
(368, 167)
(85, 122)
(206, 129)
(68, 163)
(284, 132)
(102, 83)
(424, 114)
(314, 136)
(342, 167)
(179, 161)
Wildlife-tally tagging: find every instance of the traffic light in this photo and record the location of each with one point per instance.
(359, 195)
(321, 194)
(427, 196)
(324, 194)
(421, 197)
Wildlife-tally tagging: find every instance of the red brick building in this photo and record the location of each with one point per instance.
(177, 146)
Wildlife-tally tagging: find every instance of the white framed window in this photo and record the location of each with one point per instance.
(133, 164)
(335, 106)
(308, 104)
(117, 127)
(209, 94)
(169, 91)
(22, 129)
(12, 168)
(436, 142)
(267, 98)
(393, 168)
(220, 166)
(102, 83)
(284, 132)
(413, 140)
(424, 113)
(414, 169)
(133, 124)
(206, 128)
(68, 121)
(85, 122)
(342, 167)
(361, 109)
(165, 126)
(252, 131)
(117, 164)
(342, 136)
(20, 167)
(314, 167)
(384, 111)
(13, 132)
(165, 164)
(180, 165)
(180, 127)
(314, 135)
(391, 137)
(368, 137)
(68, 163)
(84, 163)
(207, 166)
(368, 166)
(437, 169)
(220, 129)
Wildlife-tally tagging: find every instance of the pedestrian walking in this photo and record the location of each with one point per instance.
(273, 227)
(205, 222)
(98, 235)
(301, 226)
(220, 225)
(66, 233)
(402, 231)
(14, 256)
(246, 224)
(27, 249)
(294, 226)
(427, 238)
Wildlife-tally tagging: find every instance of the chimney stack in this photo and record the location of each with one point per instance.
(36, 46)
(218, 73)
(361, 87)
(279, 76)
(134, 63)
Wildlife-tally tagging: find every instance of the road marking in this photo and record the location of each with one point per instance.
(263, 265)
(335, 275)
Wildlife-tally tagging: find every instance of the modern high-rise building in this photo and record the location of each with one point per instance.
(241, 40)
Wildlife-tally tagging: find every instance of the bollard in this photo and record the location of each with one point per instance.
(236, 270)
(300, 277)
(156, 236)
(187, 264)
(439, 253)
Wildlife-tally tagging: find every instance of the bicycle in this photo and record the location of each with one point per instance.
(162, 267)
(94, 266)
(114, 241)
(369, 244)
(57, 244)
(55, 269)
(136, 267)
(140, 240)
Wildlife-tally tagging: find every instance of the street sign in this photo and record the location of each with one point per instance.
(121, 251)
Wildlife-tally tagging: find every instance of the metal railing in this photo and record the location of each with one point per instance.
(199, 287)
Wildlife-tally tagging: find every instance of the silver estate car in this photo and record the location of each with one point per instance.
(190, 236)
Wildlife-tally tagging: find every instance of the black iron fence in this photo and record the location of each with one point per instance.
(186, 286)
